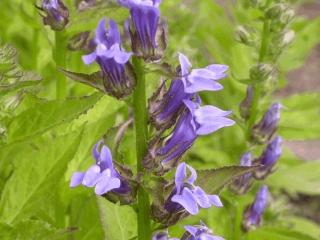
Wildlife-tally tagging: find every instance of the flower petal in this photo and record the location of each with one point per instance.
(195, 84)
(105, 158)
(187, 200)
(180, 176)
(184, 64)
(101, 32)
(215, 200)
(201, 198)
(106, 184)
(214, 125)
(76, 179)
(191, 229)
(91, 176)
(90, 58)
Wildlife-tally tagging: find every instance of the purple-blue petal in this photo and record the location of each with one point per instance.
(187, 200)
(76, 179)
(184, 64)
(91, 176)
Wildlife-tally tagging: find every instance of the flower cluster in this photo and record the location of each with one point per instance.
(181, 105)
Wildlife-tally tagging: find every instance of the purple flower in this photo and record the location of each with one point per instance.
(102, 175)
(199, 232)
(113, 60)
(196, 80)
(188, 196)
(269, 158)
(148, 35)
(57, 14)
(242, 184)
(162, 236)
(194, 121)
(268, 124)
(253, 214)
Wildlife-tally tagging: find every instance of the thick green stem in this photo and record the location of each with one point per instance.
(140, 122)
(60, 60)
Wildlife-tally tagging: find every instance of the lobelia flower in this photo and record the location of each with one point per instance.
(148, 35)
(188, 196)
(253, 214)
(162, 236)
(268, 124)
(241, 185)
(56, 14)
(102, 175)
(165, 107)
(194, 121)
(269, 158)
(118, 77)
(199, 232)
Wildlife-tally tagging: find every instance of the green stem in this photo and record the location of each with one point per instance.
(60, 60)
(140, 122)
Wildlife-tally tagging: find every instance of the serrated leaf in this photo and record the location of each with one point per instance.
(214, 180)
(301, 178)
(274, 233)
(36, 176)
(123, 225)
(44, 116)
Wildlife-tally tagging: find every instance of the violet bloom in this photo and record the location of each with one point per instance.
(148, 37)
(162, 236)
(201, 79)
(268, 124)
(269, 158)
(113, 60)
(199, 232)
(242, 184)
(253, 214)
(102, 175)
(188, 196)
(57, 14)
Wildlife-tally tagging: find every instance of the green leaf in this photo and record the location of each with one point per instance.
(302, 178)
(123, 225)
(214, 180)
(274, 233)
(44, 116)
(40, 167)
(300, 117)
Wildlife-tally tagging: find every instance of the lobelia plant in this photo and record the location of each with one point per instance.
(174, 118)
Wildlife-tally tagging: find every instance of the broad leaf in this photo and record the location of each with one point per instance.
(268, 233)
(214, 180)
(302, 178)
(44, 116)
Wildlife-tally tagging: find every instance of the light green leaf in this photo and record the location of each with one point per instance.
(273, 233)
(123, 225)
(300, 117)
(44, 116)
(214, 180)
(302, 178)
(40, 167)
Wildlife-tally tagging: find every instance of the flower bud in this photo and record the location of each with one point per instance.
(262, 72)
(253, 214)
(56, 14)
(244, 36)
(268, 158)
(287, 38)
(246, 103)
(148, 33)
(242, 184)
(267, 126)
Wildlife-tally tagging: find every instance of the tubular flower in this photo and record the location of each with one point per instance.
(194, 121)
(268, 124)
(269, 158)
(199, 232)
(201, 79)
(242, 184)
(188, 196)
(102, 175)
(57, 14)
(113, 60)
(162, 236)
(148, 35)
(253, 214)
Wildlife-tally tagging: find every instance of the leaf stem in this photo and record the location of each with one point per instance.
(60, 60)
(140, 122)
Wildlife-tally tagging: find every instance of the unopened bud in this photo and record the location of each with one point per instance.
(242, 184)
(287, 38)
(246, 103)
(244, 36)
(56, 14)
(262, 72)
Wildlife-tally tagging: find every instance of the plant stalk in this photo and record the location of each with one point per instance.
(60, 60)
(141, 128)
